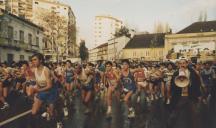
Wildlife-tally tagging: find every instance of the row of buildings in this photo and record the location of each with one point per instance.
(47, 24)
(198, 41)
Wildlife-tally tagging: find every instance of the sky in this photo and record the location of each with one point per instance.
(139, 14)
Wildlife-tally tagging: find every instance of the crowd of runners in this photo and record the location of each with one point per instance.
(56, 84)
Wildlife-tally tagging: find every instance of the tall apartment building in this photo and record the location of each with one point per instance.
(33, 10)
(21, 8)
(105, 28)
(68, 41)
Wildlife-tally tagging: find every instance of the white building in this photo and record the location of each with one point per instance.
(19, 38)
(115, 47)
(197, 40)
(105, 28)
(93, 54)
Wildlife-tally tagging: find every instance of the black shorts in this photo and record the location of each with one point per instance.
(156, 82)
(20, 80)
(6, 83)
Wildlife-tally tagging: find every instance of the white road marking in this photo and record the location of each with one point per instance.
(14, 118)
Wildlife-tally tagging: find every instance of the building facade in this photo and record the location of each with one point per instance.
(145, 47)
(21, 8)
(58, 44)
(198, 40)
(19, 38)
(105, 28)
(93, 55)
(102, 53)
(115, 47)
(65, 45)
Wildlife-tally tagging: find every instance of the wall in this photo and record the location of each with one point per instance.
(147, 54)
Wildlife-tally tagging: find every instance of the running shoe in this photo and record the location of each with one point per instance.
(59, 125)
(168, 101)
(65, 110)
(6, 105)
(147, 99)
(131, 113)
(44, 115)
(138, 99)
(152, 97)
(156, 97)
(87, 111)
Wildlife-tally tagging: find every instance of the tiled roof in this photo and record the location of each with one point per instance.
(146, 41)
(207, 26)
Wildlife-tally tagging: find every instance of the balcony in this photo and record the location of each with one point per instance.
(35, 48)
(28, 48)
(49, 52)
(9, 43)
(23, 45)
(3, 42)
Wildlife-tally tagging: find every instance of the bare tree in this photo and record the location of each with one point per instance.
(55, 27)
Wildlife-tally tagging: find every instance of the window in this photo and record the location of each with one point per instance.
(21, 35)
(10, 58)
(36, 3)
(10, 32)
(46, 45)
(30, 39)
(37, 41)
(22, 57)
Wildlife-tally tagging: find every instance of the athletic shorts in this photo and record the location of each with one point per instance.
(88, 87)
(129, 88)
(30, 83)
(20, 80)
(6, 83)
(156, 82)
(48, 97)
(69, 80)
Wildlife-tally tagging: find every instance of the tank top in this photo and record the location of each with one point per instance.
(69, 73)
(128, 81)
(112, 80)
(139, 74)
(40, 78)
(110, 76)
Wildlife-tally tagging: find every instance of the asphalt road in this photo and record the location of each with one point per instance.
(148, 115)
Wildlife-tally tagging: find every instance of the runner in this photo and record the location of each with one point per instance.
(167, 79)
(207, 75)
(4, 84)
(111, 79)
(86, 80)
(140, 81)
(45, 91)
(155, 80)
(129, 86)
(69, 78)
